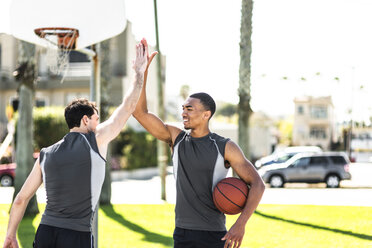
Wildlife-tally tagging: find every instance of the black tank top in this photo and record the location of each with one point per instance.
(198, 167)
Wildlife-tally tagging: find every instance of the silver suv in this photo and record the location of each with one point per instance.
(328, 167)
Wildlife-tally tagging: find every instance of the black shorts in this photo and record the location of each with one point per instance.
(55, 237)
(184, 238)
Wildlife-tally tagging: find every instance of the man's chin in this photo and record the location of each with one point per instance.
(186, 127)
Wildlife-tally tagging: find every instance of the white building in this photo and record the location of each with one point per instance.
(361, 144)
(262, 134)
(314, 122)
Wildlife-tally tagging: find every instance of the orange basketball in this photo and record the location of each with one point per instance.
(230, 195)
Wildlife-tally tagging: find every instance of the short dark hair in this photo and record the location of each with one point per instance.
(206, 100)
(75, 111)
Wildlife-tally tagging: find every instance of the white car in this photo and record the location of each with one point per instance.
(285, 154)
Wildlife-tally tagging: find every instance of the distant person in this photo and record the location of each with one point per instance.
(73, 171)
(200, 159)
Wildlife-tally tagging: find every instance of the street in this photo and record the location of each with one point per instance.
(144, 188)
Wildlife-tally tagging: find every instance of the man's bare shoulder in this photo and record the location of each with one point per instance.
(232, 149)
(174, 129)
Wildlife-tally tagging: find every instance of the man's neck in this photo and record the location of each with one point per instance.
(79, 130)
(197, 133)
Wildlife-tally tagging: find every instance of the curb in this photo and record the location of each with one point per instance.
(138, 174)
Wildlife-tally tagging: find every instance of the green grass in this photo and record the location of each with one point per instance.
(271, 226)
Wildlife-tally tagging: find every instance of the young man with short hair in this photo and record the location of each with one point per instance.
(200, 159)
(73, 170)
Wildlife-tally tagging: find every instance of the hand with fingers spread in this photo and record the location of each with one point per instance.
(149, 58)
(234, 237)
(140, 63)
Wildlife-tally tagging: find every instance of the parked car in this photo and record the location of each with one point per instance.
(328, 167)
(285, 154)
(7, 173)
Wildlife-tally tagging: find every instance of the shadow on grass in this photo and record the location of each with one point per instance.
(26, 231)
(357, 235)
(148, 236)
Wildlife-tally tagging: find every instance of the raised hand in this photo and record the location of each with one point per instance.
(141, 61)
(149, 58)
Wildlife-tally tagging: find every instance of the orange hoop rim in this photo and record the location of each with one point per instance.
(66, 37)
(61, 32)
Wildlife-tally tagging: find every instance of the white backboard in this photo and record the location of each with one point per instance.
(5, 16)
(96, 20)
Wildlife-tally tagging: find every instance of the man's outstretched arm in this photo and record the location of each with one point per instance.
(109, 129)
(152, 123)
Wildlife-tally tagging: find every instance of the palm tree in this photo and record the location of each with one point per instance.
(104, 53)
(25, 74)
(244, 107)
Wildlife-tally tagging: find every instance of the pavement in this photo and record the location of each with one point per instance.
(144, 187)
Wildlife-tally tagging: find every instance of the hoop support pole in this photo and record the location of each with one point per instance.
(87, 51)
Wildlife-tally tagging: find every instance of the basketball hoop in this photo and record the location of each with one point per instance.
(66, 37)
(59, 43)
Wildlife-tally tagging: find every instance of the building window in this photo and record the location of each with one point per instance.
(300, 110)
(318, 112)
(39, 103)
(14, 102)
(318, 133)
(73, 96)
(76, 56)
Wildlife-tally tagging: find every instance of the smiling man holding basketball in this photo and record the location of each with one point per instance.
(200, 160)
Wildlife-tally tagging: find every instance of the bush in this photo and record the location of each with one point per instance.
(135, 149)
(49, 126)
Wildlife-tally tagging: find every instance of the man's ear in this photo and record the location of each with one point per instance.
(85, 119)
(207, 115)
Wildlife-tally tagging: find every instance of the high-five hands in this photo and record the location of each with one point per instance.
(141, 61)
(149, 58)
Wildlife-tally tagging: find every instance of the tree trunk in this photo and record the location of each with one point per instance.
(105, 198)
(244, 107)
(25, 74)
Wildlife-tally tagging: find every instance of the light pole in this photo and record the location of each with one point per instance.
(350, 133)
(95, 95)
(162, 148)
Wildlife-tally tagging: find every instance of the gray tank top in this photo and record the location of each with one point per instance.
(199, 165)
(73, 173)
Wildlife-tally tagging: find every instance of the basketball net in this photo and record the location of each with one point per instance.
(59, 44)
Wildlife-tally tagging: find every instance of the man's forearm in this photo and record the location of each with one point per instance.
(109, 129)
(254, 198)
(131, 99)
(16, 214)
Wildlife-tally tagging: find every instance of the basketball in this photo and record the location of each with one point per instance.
(230, 195)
